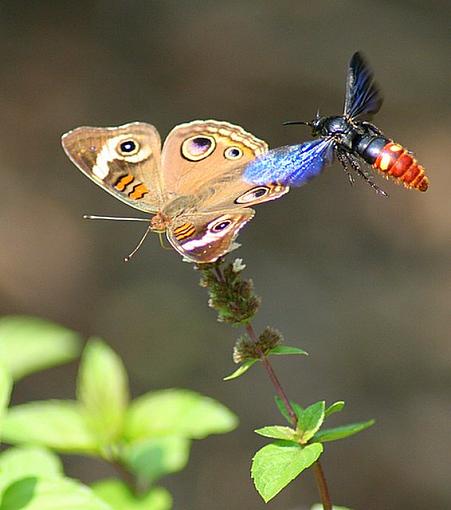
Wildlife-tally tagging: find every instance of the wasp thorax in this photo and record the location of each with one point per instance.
(335, 126)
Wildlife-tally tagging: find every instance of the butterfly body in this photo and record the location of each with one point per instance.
(345, 137)
(193, 185)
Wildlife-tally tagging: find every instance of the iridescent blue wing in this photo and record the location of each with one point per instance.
(362, 93)
(292, 165)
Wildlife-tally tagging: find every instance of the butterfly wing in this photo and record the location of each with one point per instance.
(362, 93)
(205, 160)
(292, 165)
(124, 160)
(205, 236)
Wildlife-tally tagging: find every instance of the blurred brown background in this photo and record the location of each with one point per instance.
(360, 282)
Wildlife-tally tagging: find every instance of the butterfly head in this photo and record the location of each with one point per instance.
(160, 223)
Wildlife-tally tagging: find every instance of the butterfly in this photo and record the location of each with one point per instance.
(346, 137)
(193, 185)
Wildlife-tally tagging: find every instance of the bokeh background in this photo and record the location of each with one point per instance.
(361, 282)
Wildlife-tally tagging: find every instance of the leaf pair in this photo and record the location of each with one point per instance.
(296, 448)
(279, 350)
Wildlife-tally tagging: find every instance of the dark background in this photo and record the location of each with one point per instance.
(361, 282)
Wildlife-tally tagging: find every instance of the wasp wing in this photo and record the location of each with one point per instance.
(362, 93)
(291, 165)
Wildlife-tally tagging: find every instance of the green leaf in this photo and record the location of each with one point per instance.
(33, 493)
(341, 432)
(177, 412)
(277, 464)
(311, 420)
(319, 506)
(277, 432)
(29, 344)
(334, 408)
(283, 410)
(56, 424)
(242, 369)
(17, 463)
(119, 497)
(6, 385)
(151, 459)
(102, 388)
(285, 349)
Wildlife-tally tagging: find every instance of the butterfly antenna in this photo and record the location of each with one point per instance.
(114, 218)
(160, 235)
(138, 246)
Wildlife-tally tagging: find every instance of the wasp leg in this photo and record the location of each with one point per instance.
(341, 156)
(375, 130)
(356, 167)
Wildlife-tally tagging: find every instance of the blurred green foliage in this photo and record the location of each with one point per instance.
(145, 439)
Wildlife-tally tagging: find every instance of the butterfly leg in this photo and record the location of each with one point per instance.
(355, 165)
(341, 156)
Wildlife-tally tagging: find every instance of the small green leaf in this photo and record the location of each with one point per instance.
(277, 432)
(177, 412)
(277, 464)
(311, 420)
(17, 463)
(319, 506)
(119, 497)
(102, 389)
(56, 424)
(285, 349)
(6, 385)
(341, 432)
(33, 493)
(334, 408)
(242, 369)
(29, 344)
(151, 459)
(284, 412)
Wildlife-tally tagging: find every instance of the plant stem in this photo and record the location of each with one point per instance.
(317, 469)
(322, 485)
(125, 475)
(272, 375)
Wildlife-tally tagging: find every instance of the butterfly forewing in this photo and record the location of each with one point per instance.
(124, 160)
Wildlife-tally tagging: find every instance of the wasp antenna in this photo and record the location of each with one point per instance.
(293, 122)
(138, 246)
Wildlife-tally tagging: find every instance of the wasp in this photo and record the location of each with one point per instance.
(345, 137)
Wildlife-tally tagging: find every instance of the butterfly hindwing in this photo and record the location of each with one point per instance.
(124, 160)
(204, 237)
(291, 165)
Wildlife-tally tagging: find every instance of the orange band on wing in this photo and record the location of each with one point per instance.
(138, 192)
(123, 182)
(184, 230)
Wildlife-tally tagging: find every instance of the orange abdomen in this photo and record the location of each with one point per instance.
(395, 161)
